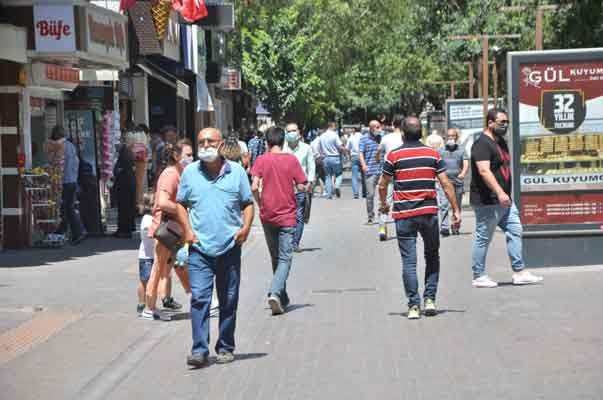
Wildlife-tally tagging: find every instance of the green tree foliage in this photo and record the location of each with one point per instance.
(313, 59)
(277, 61)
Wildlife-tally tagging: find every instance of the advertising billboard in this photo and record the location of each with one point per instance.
(467, 115)
(558, 139)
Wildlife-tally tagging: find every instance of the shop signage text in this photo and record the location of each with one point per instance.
(106, 34)
(110, 35)
(561, 179)
(54, 28)
(62, 74)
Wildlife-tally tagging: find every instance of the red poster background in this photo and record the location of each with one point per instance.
(534, 78)
(570, 208)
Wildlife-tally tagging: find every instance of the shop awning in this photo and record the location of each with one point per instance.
(182, 89)
(13, 44)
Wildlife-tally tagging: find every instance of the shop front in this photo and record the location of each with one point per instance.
(557, 123)
(69, 46)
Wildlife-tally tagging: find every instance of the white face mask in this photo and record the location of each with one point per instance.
(451, 143)
(209, 154)
(185, 161)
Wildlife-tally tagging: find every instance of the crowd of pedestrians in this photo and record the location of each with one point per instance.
(419, 185)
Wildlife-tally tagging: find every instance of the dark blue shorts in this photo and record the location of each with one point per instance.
(144, 270)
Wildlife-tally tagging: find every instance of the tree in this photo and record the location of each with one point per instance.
(277, 62)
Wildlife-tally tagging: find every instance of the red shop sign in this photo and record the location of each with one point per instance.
(62, 74)
(572, 208)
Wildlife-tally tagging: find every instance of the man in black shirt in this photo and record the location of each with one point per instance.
(490, 198)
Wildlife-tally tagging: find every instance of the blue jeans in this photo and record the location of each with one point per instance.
(407, 228)
(279, 240)
(444, 205)
(487, 218)
(227, 272)
(300, 199)
(333, 169)
(355, 175)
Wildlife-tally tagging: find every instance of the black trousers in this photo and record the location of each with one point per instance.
(126, 209)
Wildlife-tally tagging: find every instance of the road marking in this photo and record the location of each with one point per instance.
(31, 333)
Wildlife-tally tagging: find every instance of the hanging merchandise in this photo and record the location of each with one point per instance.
(191, 10)
(161, 16)
(138, 143)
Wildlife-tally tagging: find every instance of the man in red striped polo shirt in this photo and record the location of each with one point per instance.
(415, 168)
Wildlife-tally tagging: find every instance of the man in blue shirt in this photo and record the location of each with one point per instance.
(220, 205)
(371, 165)
(69, 215)
(332, 151)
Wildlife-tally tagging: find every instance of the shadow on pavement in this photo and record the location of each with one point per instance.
(309, 249)
(249, 356)
(180, 316)
(442, 311)
(237, 357)
(93, 245)
(293, 307)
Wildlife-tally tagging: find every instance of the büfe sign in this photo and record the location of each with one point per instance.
(54, 28)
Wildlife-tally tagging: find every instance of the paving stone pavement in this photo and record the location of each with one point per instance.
(346, 336)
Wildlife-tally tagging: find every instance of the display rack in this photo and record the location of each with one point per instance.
(43, 209)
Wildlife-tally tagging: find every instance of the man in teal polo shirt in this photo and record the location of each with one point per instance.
(220, 206)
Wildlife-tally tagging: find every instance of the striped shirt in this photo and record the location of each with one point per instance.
(414, 168)
(368, 147)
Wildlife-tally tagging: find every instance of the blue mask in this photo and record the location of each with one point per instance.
(292, 137)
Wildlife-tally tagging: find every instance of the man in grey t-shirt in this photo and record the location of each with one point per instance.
(457, 165)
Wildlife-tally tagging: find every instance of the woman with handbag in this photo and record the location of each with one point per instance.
(170, 226)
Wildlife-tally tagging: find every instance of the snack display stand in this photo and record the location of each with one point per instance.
(44, 211)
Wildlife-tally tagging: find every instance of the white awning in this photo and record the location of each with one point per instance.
(13, 45)
(99, 75)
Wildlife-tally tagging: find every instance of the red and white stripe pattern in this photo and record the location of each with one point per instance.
(414, 168)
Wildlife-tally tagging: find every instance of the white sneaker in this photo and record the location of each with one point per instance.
(484, 282)
(154, 315)
(526, 278)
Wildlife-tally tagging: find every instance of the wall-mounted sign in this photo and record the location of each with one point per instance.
(54, 76)
(171, 43)
(220, 17)
(106, 34)
(231, 79)
(54, 28)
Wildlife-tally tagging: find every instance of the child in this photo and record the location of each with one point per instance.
(145, 251)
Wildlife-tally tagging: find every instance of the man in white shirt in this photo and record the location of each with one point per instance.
(352, 147)
(303, 152)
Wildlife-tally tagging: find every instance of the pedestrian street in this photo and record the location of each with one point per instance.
(72, 331)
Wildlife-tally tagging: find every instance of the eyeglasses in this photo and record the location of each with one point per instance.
(503, 122)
